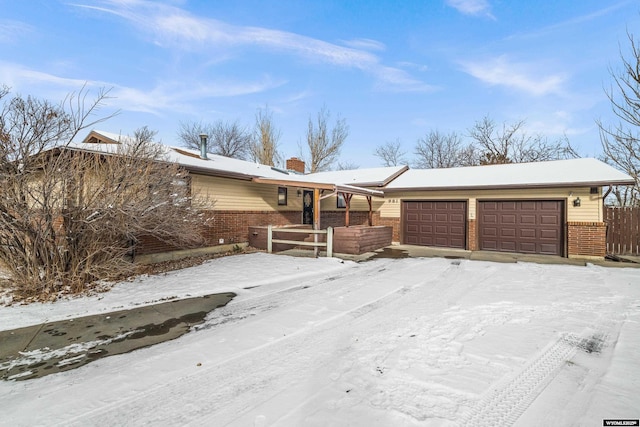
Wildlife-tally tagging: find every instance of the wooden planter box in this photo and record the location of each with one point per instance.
(359, 239)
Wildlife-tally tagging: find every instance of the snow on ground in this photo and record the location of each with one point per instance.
(321, 342)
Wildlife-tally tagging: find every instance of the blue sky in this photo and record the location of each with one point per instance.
(393, 69)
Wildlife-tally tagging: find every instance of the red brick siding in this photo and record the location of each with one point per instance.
(337, 218)
(152, 245)
(232, 226)
(586, 238)
(394, 223)
(472, 235)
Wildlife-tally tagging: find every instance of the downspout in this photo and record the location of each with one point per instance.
(606, 223)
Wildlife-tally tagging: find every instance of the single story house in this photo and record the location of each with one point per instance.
(553, 207)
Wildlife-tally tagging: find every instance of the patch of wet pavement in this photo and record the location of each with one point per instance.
(40, 350)
(390, 253)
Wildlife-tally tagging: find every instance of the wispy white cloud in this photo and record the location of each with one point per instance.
(472, 7)
(18, 77)
(413, 65)
(400, 81)
(366, 44)
(523, 77)
(179, 97)
(11, 30)
(575, 21)
(174, 27)
(164, 96)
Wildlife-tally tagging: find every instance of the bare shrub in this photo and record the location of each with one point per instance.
(70, 214)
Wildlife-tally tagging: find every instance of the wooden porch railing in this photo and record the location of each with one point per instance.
(315, 244)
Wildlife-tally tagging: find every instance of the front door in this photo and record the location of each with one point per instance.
(307, 207)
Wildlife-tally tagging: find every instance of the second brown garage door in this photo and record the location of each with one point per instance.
(531, 226)
(434, 223)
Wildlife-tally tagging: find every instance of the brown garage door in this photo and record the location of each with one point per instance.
(531, 226)
(435, 223)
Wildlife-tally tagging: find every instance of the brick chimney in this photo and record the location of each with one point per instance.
(295, 164)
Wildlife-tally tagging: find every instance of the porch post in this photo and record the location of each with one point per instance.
(347, 200)
(370, 211)
(316, 218)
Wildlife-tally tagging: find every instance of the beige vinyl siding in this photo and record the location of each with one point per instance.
(358, 203)
(589, 210)
(235, 194)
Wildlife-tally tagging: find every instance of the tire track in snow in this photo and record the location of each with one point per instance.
(254, 305)
(511, 397)
(227, 378)
(504, 404)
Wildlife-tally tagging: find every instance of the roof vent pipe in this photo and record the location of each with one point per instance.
(203, 145)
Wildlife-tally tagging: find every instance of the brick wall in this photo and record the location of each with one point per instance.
(336, 218)
(586, 239)
(472, 235)
(232, 226)
(394, 223)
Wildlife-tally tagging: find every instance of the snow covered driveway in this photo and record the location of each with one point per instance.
(320, 342)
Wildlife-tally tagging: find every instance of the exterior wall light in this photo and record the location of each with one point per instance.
(576, 202)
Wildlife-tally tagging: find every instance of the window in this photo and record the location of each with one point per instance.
(341, 202)
(282, 196)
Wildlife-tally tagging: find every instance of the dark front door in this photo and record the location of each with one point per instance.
(435, 223)
(307, 207)
(524, 226)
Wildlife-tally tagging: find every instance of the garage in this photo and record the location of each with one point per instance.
(522, 226)
(435, 223)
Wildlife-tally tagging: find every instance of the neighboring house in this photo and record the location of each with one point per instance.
(553, 208)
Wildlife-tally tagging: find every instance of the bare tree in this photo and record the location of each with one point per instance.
(437, 150)
(264, 145)
(323, 143)
(391, 153)
(347, 166)
(511, 144)
(621, 142)
(69, 214)
(229, 139)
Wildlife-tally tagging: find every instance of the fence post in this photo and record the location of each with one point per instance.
(329, 242)
(269, 238)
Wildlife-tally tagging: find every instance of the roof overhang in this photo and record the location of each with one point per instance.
(216, 172)
(385, 182)
(512, 186)
(350, 189)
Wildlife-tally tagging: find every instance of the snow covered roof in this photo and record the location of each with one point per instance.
(372, 177)
(221, 165)
(216, 165)
(190, 159)
(557, 173)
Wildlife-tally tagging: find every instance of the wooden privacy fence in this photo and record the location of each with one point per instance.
(623, 230)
